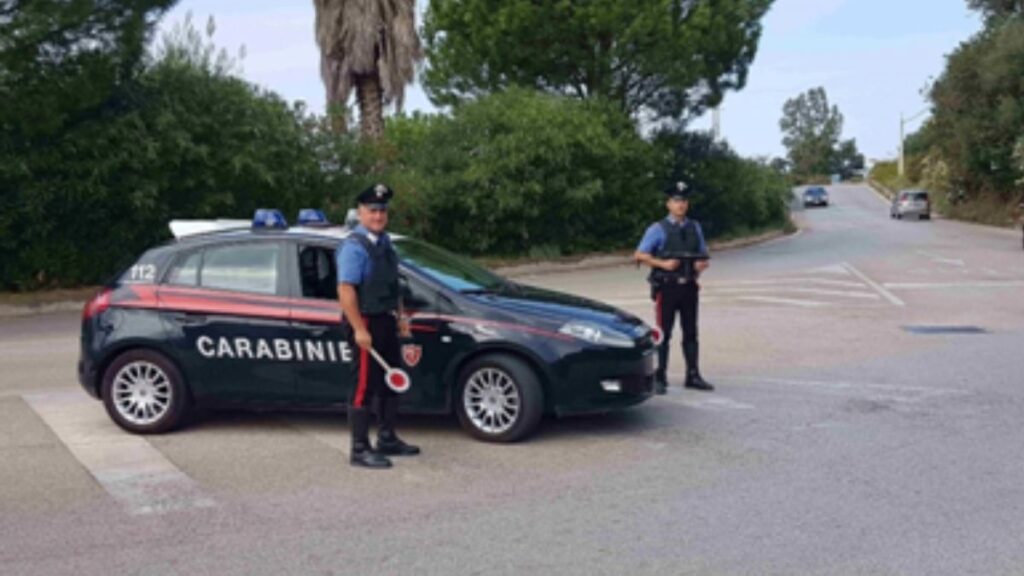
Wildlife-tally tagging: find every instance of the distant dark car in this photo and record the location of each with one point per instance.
(230, 312)
(911, 203)
(815, 196)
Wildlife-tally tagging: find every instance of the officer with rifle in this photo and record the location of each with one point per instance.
(675, 250)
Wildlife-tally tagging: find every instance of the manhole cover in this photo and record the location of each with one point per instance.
(944, 329)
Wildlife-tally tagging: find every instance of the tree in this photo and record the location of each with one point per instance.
(811, 130)
(370, 45)
(978, 111)
(668, 58)
(997, 9)
(847, 160)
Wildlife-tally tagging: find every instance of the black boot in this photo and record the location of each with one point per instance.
(693, 377)
(660, 380)
(362, 453)
(388, 441)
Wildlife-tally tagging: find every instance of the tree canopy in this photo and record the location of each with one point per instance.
(667, 58)
(811, 134)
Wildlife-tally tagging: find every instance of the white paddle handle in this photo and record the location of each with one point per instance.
(380, 360)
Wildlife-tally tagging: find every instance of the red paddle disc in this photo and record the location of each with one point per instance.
(397, 380)
(657, 335)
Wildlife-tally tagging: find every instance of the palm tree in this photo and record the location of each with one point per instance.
(371, 45)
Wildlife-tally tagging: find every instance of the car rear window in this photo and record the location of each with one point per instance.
(922, 196)
(243, 268)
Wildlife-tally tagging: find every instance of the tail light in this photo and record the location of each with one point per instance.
(98, 303)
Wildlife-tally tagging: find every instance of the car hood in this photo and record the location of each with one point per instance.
(555, 308)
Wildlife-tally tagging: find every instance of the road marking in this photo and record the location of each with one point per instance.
(787, 301)
(818, 291)
(836, 269)
(947, 285)
(942, 260)
(647, 300)
(715, 402)
(128, 467)
(885, 293)
(785, 281)
(327, 433)
(922, 391)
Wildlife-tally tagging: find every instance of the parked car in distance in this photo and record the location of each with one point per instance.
(911, 203)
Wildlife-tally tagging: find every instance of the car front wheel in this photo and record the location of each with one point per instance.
(144, 393)
(499, 399)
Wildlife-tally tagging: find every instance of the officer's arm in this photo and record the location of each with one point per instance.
(651, 243)
(349, 300)
(650, 260)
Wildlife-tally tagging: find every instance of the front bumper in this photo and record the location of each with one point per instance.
(605, 380)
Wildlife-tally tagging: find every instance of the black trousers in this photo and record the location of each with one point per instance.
(369, 381)
(671, 301)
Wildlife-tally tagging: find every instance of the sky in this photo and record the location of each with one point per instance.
(873, 57)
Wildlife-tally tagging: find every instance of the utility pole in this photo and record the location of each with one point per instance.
(903, 123)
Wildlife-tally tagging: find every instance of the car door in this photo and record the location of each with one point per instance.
(429, 351)
(227, 310)
(328, 372)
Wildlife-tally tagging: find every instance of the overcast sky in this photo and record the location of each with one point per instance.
(873, 57)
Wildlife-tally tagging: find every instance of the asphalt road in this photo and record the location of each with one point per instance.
(844, 438)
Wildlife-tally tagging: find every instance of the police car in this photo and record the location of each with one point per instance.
(247, 312)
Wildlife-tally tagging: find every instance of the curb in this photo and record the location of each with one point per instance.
(625, 258)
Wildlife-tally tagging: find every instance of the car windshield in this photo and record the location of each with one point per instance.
(451, 270)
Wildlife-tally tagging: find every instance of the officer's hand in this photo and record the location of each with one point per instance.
(701, 265)
(670, 265)
(363, 339)
(404, 330)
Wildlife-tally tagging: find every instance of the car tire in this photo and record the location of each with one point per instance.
(899, 216)
(499, 399)
(144, 392)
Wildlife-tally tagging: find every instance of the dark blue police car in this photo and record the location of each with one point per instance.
(240, 312)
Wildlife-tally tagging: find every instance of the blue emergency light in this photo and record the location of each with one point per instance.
(266, 219)
(312, 217)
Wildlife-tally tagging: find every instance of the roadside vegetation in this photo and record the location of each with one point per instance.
(970, 153)
(108, 133)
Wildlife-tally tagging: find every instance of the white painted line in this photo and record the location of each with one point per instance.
(785, 281)
(705, 402)
(818, 291)
(846, 385)
(331, 435)
(885, 293)
(948, 285)
(787, 301)
(128, 467)
(942, 260)
(831, 269)
(647, 300)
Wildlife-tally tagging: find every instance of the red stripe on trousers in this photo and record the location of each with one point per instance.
(363, 369)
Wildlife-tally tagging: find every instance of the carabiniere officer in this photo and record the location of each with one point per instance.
(371, 306)
(675, 250)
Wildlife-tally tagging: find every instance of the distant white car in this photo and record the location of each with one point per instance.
(911, 203)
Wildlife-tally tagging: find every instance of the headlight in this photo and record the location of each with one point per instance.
(596, 334)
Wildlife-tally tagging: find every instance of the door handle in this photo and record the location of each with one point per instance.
(189, 319)
(314, 329)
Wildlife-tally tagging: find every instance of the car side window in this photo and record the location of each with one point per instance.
(416, 295)
(242, 267)
(317, 273)
(186, 270)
